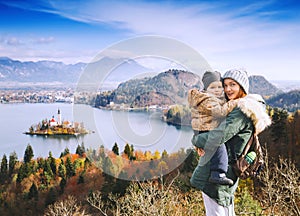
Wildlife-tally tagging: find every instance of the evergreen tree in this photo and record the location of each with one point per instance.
(13, 159)
(33, 192)
(66, 152)
(122, 183)
(115, 149)
(28, 155)
(132, 156)
(24, 171)
(191, 160)
(108, 185)
(51, 197)
(80, 150)
(131, 149)
(279, 119)
(62, 185)
(21, 173)
(164, 154)
(70, 169)
(128, 151)
(48, 171)
(52, 163)
(62, 170)
(102, 152)
(4, 169)
(81, 178)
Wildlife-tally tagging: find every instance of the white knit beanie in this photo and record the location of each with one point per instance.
(239, 76)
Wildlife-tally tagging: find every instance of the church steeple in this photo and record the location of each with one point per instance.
(58, 117)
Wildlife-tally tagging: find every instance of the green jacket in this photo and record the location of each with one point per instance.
(235, 131)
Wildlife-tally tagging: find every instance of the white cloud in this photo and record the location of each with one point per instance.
(227, 38)
(44, 40)
(10, 41)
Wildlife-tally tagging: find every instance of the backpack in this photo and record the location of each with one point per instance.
(241, 166)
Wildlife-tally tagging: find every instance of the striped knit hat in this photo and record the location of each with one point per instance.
(240, 76)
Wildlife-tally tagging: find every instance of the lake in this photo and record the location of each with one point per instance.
(144, 130)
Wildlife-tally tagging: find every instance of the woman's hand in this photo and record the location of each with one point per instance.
(200, 151)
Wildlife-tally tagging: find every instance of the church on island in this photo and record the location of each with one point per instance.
(57, 127)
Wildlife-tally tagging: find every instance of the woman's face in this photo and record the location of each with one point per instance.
(232, 89)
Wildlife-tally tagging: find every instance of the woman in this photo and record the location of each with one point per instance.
(249, 116)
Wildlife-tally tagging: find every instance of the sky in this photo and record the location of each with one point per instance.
(261, 37)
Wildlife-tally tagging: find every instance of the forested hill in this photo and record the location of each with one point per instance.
(169, 87)
(288, 100)
(166, 88)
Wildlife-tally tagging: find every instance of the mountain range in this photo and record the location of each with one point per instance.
(28, 72)
(141, 87)
(51, 71)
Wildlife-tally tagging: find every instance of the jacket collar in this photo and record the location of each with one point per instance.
(253, 108)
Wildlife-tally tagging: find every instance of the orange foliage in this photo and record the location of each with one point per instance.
(74, 157)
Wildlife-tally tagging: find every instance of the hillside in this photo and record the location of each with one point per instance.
(167, 88)
(259, 85)
(288, 100)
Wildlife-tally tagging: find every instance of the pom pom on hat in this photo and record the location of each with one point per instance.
(210, 77)
(239, 76)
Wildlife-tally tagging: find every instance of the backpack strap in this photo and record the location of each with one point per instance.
(245, 150)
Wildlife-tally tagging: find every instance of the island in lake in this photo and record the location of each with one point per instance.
(57, 127)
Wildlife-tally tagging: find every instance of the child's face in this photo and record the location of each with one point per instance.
(215, 88)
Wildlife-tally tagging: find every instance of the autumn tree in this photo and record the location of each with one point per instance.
(107, 166)
(69, 206)
(294, 137)
(156, 155)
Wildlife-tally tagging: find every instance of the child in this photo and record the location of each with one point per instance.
(208, 108)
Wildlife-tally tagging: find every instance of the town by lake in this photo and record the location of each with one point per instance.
(144, 130)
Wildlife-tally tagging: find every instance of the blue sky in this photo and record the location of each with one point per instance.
(259, 36)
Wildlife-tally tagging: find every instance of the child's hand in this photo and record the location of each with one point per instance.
(200, 151)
